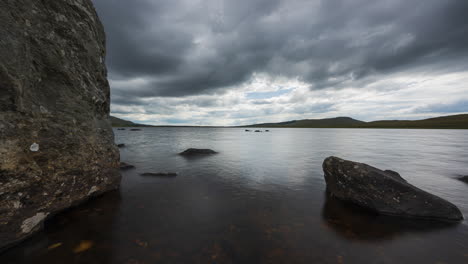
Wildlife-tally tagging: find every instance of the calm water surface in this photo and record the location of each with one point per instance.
(260, 200)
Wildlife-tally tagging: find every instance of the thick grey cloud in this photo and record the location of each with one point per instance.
(175, 58)
(187, 47)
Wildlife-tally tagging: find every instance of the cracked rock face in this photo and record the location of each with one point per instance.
(56, 143)
(384, 192)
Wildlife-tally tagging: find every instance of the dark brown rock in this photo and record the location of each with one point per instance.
(195, 152)
(56, 143)
(383, 192)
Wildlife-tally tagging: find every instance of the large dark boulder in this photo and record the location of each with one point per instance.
(384, 192)
(56, 143)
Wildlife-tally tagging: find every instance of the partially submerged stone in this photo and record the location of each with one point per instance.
(159, 174)
(126, 166)
(384, 192)
(195, 151)
(135, 129)
(463, 178)
(121, 145)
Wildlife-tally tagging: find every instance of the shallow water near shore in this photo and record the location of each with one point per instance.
(261, 199)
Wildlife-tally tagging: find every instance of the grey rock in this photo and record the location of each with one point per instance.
(384, 192)
(159, 174)
(56, 143)
(126, 166)
(194, 152)
(463, 178)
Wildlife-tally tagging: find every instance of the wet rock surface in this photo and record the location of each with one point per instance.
(384, 192)
(57, 146)
(196, 152)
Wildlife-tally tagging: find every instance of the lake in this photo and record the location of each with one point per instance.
(260, 200)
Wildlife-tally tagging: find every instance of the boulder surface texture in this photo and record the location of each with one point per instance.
(384, 192)
(56, 143)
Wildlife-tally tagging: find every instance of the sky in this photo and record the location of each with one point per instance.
(241, 62)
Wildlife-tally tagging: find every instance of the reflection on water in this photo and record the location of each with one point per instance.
(260, 200)
(355, 223)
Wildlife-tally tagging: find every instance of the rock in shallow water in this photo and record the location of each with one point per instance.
(384, 192)
(56, 144)
(126, 166)
(160, 174)
(464, 178)
(194, 151)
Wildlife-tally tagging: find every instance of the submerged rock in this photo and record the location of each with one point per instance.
(135, 129)
(57, 145)
(247, 130)
(126, 166)
(258, 131)
(194, 151)
(159, 174)
(384, 192)
(120, 128)
(121, 145)
(464, 178)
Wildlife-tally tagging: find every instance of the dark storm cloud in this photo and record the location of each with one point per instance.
(185, 48)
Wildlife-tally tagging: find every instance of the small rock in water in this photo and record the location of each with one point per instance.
(126, 166)
(258, 131)
(194, 151)
(120, 128)
(159, 174)
(121, 145)
(464, 178)
(384, 192)
(267, 130)
(135, 129)
(247, 130)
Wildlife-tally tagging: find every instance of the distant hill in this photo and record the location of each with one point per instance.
(337, 122)
(117, 122)
(448, 122)
(453, 122)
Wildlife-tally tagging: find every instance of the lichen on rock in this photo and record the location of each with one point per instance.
(56, 143)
